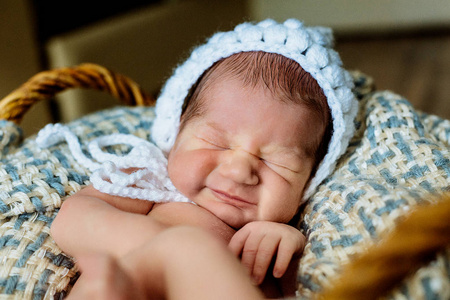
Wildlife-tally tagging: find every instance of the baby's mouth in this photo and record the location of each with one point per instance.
(231, 199)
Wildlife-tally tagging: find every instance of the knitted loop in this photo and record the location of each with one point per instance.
(148, 180)
(53, 134)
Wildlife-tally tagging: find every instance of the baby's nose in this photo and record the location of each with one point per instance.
(240, 167)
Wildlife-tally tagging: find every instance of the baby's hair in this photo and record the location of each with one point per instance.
(283, 77)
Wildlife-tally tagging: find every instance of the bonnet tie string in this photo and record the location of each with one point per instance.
(148, 178)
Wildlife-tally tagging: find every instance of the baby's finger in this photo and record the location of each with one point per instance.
(237, 242)
(285, 252)
(249, 252)
(266, 251)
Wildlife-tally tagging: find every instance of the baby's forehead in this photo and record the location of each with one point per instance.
(230, 105)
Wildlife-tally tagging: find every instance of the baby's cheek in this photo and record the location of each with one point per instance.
(189, 171)
(177, 175)
(280, 200)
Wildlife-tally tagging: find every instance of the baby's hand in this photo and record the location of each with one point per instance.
(258, 242)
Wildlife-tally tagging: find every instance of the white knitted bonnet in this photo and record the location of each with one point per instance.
(308, 46)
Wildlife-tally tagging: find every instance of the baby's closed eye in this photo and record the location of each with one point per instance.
(281, 165)
(286, 162)
(214, 143)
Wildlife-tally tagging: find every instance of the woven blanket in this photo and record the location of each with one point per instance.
(397, 157)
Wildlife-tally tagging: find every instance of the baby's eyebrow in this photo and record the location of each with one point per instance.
(286, 159)
(269, 150)
(216, 127)
(296, 153)
(278, 149)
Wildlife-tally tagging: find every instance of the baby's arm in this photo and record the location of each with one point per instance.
(259, 242)
(90, 221)
(125, 204)
(180, 263)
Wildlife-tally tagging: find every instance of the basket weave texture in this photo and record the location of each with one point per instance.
(398, 159)
(397, 156)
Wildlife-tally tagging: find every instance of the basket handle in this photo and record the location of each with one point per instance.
(46, 84)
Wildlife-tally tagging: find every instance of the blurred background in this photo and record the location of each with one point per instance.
(403, 44)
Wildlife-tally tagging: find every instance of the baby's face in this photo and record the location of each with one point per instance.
(245, 158)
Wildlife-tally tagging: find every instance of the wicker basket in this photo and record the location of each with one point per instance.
(46, 84)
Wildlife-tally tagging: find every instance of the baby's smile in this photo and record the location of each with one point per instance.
(231, 199)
